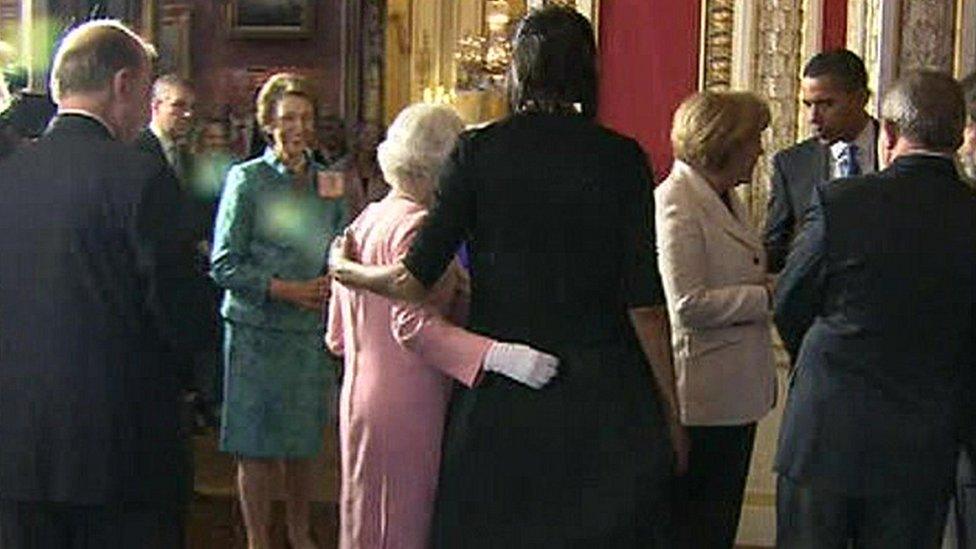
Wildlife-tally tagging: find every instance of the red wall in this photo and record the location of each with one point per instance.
(220, 62)
(834, 24)
(648, 64)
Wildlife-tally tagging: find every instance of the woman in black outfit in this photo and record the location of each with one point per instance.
(556, 212)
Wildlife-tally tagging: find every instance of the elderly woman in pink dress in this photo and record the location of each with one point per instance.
(402, 359)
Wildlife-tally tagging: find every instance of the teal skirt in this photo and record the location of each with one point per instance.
(278, 392)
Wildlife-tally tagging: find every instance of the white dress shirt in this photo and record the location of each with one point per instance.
(866, 142)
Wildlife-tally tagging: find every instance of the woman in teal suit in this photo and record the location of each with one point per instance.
(272, 232)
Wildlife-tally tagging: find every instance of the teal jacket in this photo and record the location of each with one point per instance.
(266, 228)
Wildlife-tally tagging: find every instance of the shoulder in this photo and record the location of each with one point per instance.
(147, 140)
(797, 153)
(247, 174)
(844, 189)
(673, 190)
(250, 167)
(669, 186)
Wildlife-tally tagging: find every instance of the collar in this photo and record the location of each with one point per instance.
(89, 114)
(864, 141)
(271, 159)
(164, 139)
(735, 222)
(923, 152)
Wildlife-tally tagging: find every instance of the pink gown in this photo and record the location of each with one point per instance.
(399, 362)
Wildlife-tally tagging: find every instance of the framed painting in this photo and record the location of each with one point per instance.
(172, 41)
(270, 18)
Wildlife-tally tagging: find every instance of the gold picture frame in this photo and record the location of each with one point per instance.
(276, 19)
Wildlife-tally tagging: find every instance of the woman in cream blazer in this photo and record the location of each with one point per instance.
(713, 269)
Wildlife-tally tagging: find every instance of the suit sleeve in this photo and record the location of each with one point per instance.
(172, 283)
(684, 271)
(642, 279)
(799, 291)
(230, 262)
(780, 219)
(454, 351)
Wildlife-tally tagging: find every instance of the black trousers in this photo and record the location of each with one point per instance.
(815, 518)
(30, 525)
(708, 499)
(965, 508)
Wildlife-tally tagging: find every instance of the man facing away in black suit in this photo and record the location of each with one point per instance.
(91, 452)
(834, 90)
(876, 304)
(963, 518)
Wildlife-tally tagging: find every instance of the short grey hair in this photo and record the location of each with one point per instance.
(167, 82)
(91, 54)
(928, 109)
(416, 146)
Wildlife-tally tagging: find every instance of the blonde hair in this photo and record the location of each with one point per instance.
(416, 146)
(278, 86)
(710, 127)
(91, 54)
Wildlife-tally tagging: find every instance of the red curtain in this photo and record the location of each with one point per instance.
(834, 24)
(648, 64)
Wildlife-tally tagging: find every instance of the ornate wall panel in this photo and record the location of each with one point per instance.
(873, 32)
(965, 55)
(777, 80)
(363, 52)
(924, 40)
(716, 54)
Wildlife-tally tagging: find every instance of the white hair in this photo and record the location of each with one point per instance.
(416, 146)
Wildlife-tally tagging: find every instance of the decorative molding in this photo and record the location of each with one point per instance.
(744, 45)
(776, 81)
(811, 43)
(925, 44)
(965, 58)
(873, 32)
(361, 99)
(718, 23)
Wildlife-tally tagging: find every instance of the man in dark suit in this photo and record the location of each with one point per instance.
(834, 89)
(168, 132)
(876, 304)
(91, 452)
(168, 137)
(964, 515)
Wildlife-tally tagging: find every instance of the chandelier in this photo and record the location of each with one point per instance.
(482, 60)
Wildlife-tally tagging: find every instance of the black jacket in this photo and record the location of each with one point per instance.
(876, 304)
(90, 283)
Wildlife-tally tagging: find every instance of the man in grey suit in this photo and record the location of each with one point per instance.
(876, 304)
(834, 89)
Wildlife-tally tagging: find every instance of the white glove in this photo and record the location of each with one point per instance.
(521, 363)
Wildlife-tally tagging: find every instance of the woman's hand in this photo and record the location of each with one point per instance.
(306, 294)
(341, 251)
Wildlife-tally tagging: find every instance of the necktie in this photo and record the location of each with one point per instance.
(848, 161)
(176, 161)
